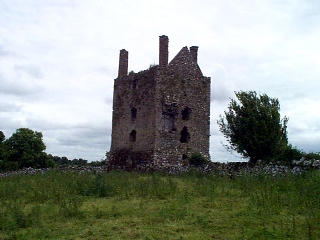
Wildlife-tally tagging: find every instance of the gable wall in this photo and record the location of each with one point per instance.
(180, 86)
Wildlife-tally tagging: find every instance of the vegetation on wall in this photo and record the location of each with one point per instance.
(197, 159)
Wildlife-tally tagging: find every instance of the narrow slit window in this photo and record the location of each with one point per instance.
(133, 114)
(133, 136)
(184, 135)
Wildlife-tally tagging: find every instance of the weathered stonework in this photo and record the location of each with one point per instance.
(160, 115)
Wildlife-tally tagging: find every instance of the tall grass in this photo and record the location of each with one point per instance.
(122, 205)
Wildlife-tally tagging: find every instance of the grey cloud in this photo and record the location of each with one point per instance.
(306, 144)
(83, 140)
(108, 100)
(219, 153)
(16, 89)
(306, 17)
(89, 135)
(220, 93)
(86, 143)
(214, 131)
(103, 69)
(241, 48)
(41, 124)
(10, 107)
(9, 125)
(221, 87)
(4, 53)
(32, 70)
(18, 86)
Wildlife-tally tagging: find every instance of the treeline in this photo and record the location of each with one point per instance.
(64, 161)
(25, 148)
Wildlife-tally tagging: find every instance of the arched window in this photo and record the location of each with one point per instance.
(133, 135)
(184, 135)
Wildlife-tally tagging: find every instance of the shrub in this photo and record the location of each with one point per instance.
(197, 159)
(312, 155)
(290, 154)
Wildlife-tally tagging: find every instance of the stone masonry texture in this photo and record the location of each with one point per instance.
(160, 115)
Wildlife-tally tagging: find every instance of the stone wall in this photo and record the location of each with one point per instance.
(133, 112)
(183, 109)
(161, 115)
(231, 169)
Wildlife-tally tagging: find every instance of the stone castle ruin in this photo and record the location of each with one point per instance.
(160, 115)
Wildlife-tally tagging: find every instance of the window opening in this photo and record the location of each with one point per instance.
(133, 136)
(185, 113)
(169, 115)
(184, 135)
(134, 84)
(133, 114)
(168, 123)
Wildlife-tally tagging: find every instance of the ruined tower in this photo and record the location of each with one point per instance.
(160, 115)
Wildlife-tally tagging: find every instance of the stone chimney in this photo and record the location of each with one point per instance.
(163, 51)
(123, 63)
(194, 53)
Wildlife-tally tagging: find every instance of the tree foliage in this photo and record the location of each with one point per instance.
(25, 148)
(2, 137)
(2, 147)
(253, 127)
(64, 161)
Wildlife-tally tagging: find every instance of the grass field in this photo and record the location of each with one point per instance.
(122, 205)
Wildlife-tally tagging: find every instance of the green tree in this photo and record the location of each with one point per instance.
(253, 127)
(2, 146)
(2, 137)
(26, 148)
(5, 165)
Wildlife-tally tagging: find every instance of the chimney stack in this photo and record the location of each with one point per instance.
(123, 63)
(163, 51)
(194, 53)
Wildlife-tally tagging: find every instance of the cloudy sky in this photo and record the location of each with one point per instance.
(58, 60)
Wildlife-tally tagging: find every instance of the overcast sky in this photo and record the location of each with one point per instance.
(59, 58)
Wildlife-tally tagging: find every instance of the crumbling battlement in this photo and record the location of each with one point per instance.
(161, 115)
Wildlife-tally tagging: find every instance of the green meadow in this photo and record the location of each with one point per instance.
(131, 205)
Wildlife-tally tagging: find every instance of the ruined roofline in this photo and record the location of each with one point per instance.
(164, 51)
(194, 53)
(186, 56)
(163, 56)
